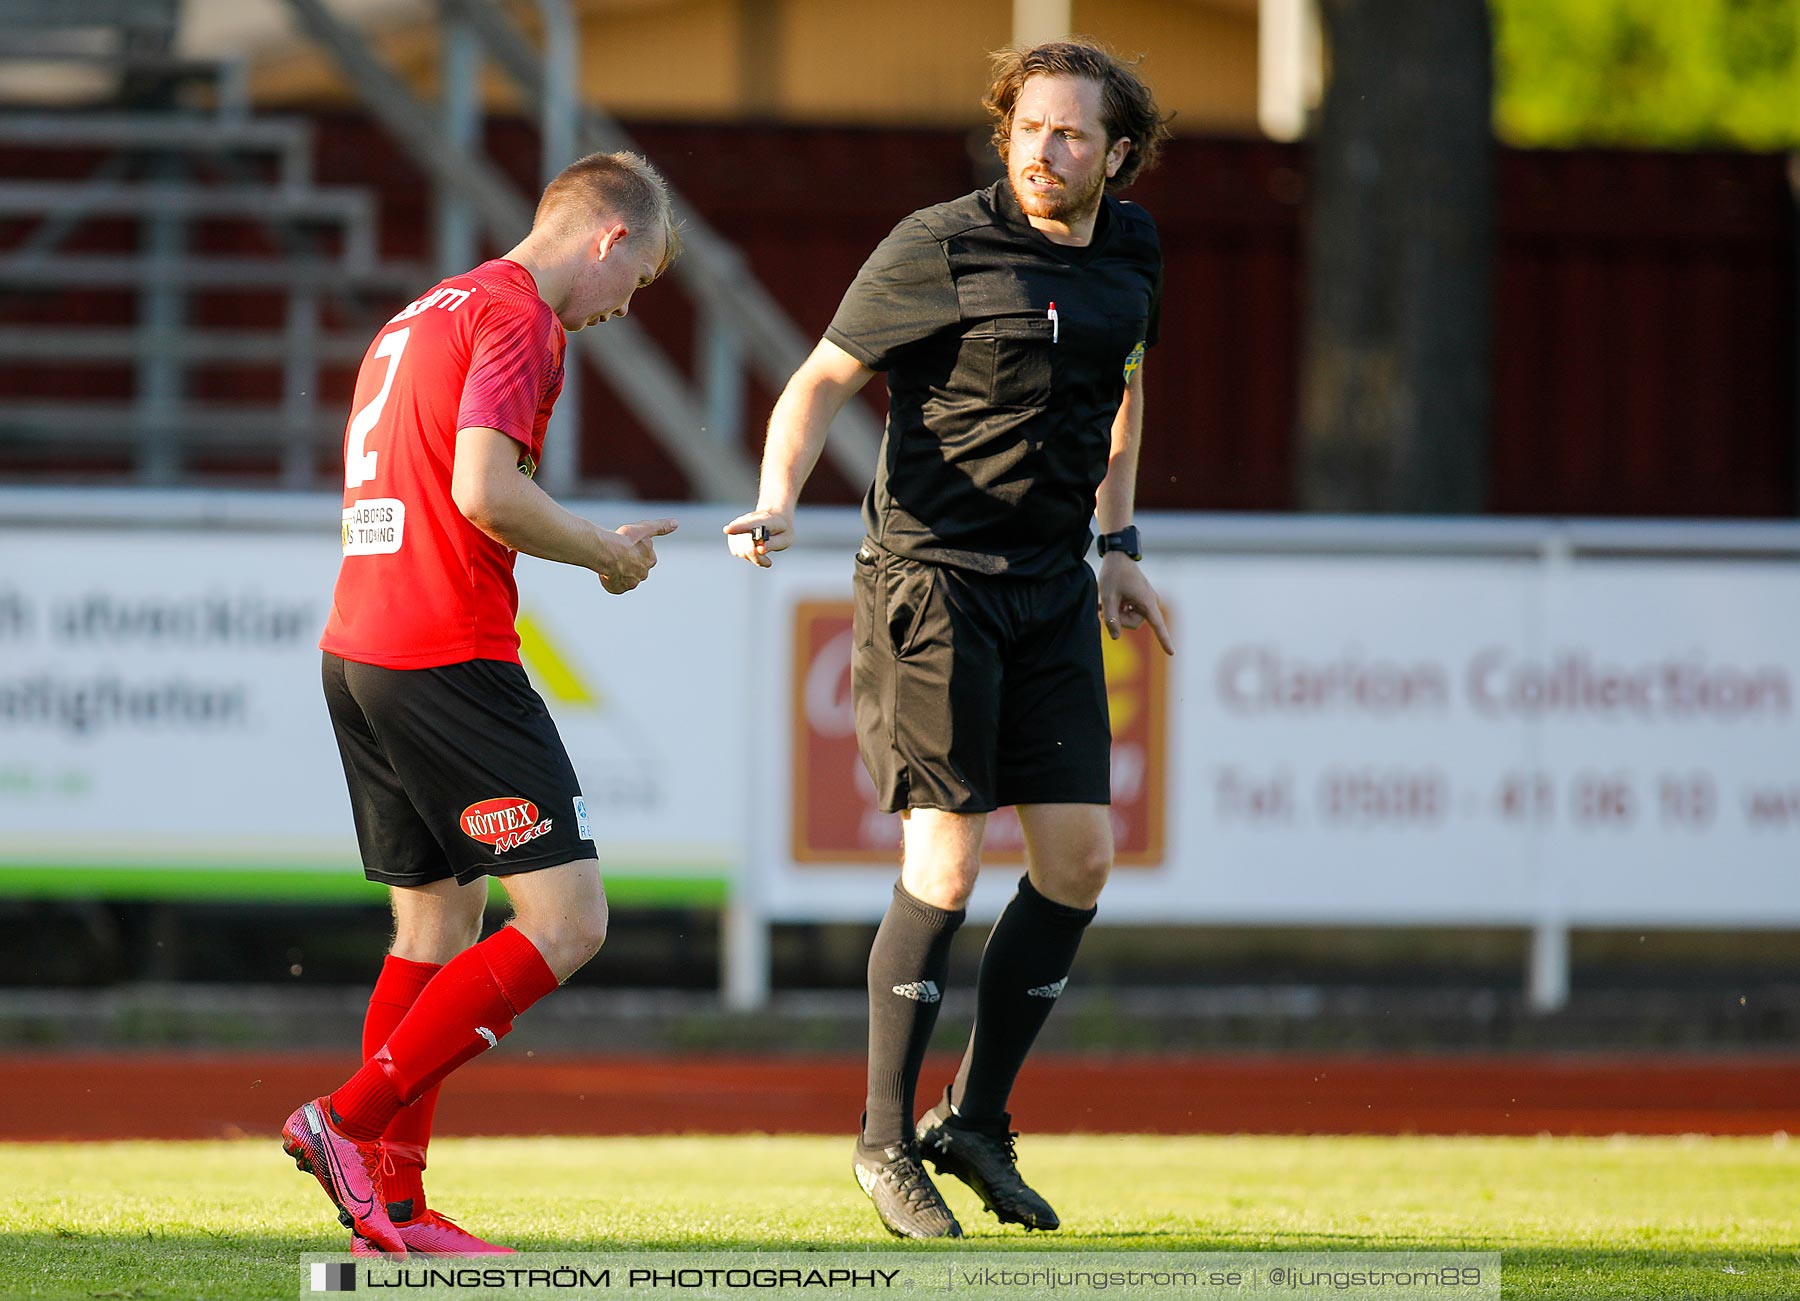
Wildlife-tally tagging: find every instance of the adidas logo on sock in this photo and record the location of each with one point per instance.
(1051, 990)
(920, 991)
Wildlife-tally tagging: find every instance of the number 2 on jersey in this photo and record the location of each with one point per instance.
(359, 465)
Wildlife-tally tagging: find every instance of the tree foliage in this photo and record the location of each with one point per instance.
(1649, 73)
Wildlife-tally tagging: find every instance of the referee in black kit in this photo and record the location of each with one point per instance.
(1012, 324)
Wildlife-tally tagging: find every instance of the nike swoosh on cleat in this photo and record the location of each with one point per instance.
(493, 1040)
(358, 1206)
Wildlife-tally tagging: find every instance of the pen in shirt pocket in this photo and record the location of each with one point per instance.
(1055, 325)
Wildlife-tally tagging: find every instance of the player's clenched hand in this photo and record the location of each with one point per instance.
(1128, 601)
(634, 554)
(747, 544)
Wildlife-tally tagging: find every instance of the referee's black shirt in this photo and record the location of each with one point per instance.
(999, 419)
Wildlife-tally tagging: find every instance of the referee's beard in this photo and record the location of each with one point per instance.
(1066, 204)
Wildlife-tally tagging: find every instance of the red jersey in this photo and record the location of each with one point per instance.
(420, 585)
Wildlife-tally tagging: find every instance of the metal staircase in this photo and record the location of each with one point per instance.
(117, 50)
(740, 325)
(101, 270)
(111, 258)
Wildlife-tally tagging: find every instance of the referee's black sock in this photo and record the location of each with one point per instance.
(907, 966)
(1023, 971)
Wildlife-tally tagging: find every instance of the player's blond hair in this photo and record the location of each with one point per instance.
(622, 185)
(1127, 108)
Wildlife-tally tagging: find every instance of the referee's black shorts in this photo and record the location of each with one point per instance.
(455, 771)
(974, 691)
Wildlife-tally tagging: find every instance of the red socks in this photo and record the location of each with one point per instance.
(409, 1132)
(462, 1012)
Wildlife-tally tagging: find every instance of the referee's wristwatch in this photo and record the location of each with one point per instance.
(1125, 540)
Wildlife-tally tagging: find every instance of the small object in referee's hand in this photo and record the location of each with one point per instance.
(759, 533)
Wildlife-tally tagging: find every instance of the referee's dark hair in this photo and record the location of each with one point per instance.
(1127, 108)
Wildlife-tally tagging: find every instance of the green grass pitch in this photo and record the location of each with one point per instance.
(1573, 1218)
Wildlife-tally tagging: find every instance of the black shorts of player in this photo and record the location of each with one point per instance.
(455, 771)
(974, 691)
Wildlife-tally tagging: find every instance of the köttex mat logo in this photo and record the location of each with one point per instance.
(505, 823)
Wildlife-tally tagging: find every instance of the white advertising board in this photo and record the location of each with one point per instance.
(160, 708)
(1343, 738)
(1403, 739)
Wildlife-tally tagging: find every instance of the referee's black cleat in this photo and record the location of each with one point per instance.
(908, 1203)
(986, 1159)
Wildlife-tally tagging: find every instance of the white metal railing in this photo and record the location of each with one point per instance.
(169, 161)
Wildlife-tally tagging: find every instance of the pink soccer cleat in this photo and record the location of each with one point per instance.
(433, 1234)
(348, 1171)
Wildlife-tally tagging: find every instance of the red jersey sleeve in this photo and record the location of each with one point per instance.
(514, 372)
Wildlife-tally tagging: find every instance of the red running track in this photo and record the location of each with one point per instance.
(167, 1095)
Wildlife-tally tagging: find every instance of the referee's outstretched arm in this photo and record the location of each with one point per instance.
(797, 428)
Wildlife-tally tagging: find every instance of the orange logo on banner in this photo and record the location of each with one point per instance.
(835, 816)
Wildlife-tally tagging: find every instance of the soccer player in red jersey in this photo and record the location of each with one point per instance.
(455, 769)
